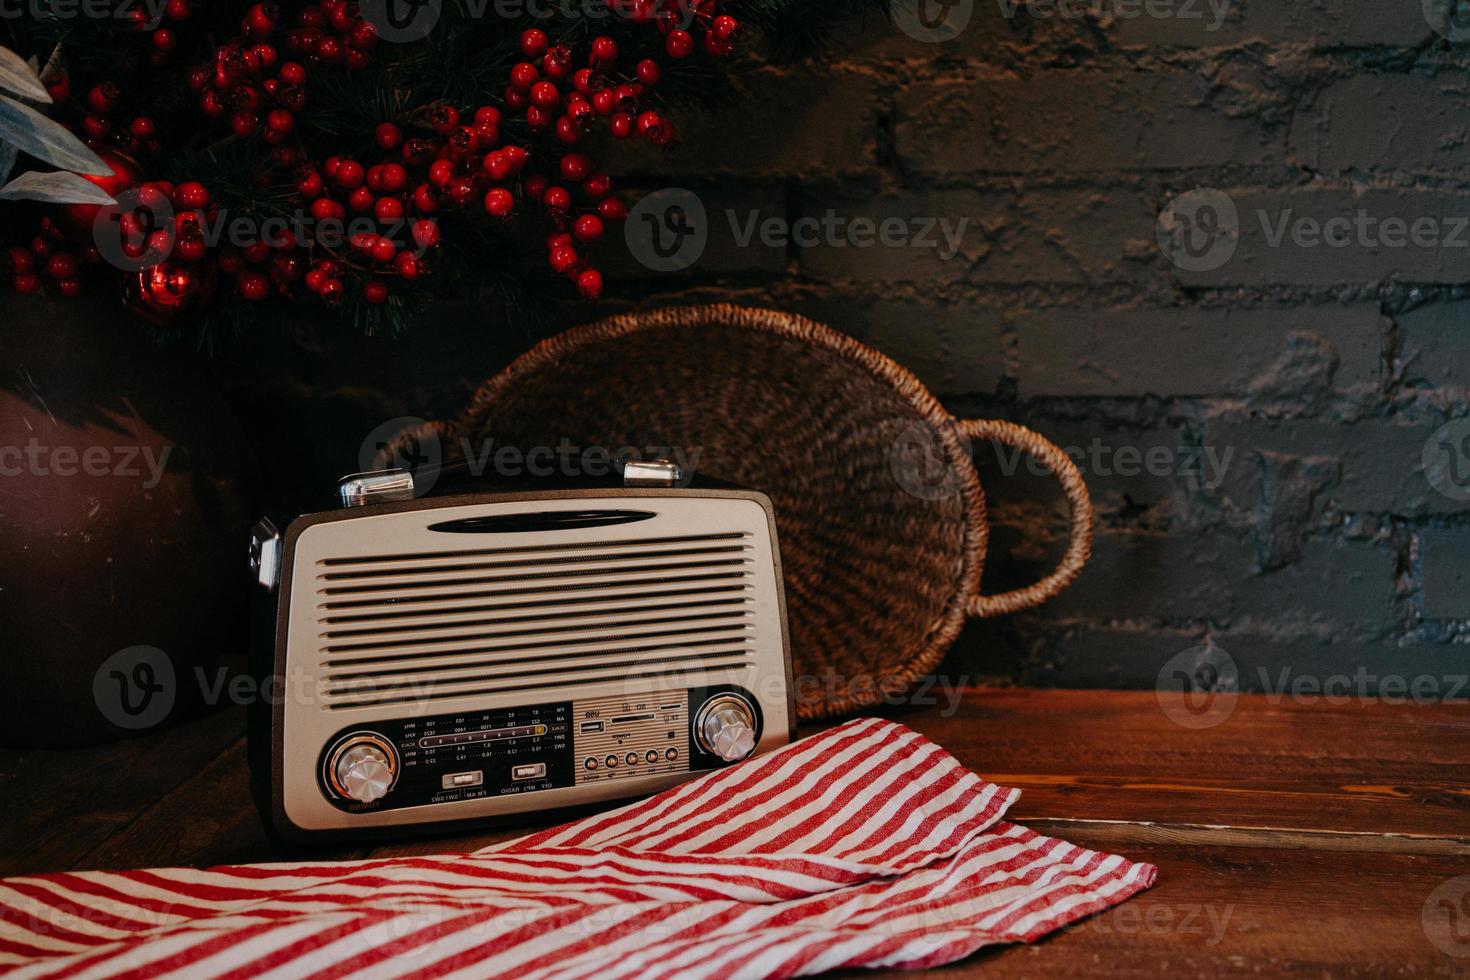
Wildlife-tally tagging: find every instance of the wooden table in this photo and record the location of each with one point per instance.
(1291, 839)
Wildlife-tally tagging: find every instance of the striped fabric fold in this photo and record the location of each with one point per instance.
(864, 846)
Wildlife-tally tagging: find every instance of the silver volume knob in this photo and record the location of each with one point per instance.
(725, 727)
(364, 770)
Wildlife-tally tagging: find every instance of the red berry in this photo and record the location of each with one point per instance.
(388, 209)
(536, 185)
(349, 174)
(361, 200)
(293, 73)
(176, 9)
(563, 259)
(546, 95)
(364, 37)
(441, 172)
(523, 75)
(21, 260)
(621, 125)
(375, 292)
(27, 284)
(557, 62)
(487, 115)
(604, 51)
(309, 184)
(587, 228)
(649, 71)
(62, 265)
(499, 202)
(537, 118)
(383, 250)
(387, 136)
(496, 165)
(244, 123)
(189, 249)
(556, 199)
(461, 191)
(533, 42)
(257, 252)
(425, 199)
(164, 39)
(325, 209)
(589, 283)
(568, 131)
(95, 127)
(393, 177)
(575, 166)
(280, 121)
(604, 102)
(191, 196)
(426, 233)
(261, 18)
(612, 209)
(102, 98)
(332, 291)
(142, 127)
(596, 186)
(679, 44)
(70, 287)
(254, 286)
(443, 118)
(408, 265)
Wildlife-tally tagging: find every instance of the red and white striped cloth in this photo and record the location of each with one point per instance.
(865, 846)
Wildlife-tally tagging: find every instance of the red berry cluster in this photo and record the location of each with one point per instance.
(161, 38)
(428, 160)
(258, 92)
(49, 256)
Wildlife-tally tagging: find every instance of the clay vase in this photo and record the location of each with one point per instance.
(125, 505)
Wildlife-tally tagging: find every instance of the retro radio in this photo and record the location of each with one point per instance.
(448, 658)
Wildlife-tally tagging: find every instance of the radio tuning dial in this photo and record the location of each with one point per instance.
(725, 727)
(364, 769)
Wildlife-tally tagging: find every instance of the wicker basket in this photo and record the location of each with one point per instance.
(880, 512)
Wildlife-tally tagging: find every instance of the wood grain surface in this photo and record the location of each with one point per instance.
(1292, 839)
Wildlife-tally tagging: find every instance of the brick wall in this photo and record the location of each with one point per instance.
(1254, 429)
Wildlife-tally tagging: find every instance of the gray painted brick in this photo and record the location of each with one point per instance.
(1186, 351)
(1074, 122)
(1336, 583)
(1434, 344)
(952, 348)
(1444, 563)
(1381, 468)
(1325, 23)
(921, 219)
(1284, 238)
(1386, 122)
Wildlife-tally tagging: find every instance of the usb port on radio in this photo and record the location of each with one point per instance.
(590, 727)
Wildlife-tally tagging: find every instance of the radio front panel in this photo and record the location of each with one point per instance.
(586, 649)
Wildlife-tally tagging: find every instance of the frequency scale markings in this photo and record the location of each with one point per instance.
(486, 735)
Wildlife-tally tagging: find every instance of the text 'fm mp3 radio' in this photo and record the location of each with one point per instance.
(447, 658)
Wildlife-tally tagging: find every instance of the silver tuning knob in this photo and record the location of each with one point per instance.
(725, 727)
(364, 769)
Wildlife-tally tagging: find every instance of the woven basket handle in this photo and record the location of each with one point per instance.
(1079, 542)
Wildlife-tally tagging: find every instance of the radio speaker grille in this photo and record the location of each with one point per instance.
(447, 624)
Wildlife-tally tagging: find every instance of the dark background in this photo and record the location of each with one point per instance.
(1321, 371)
